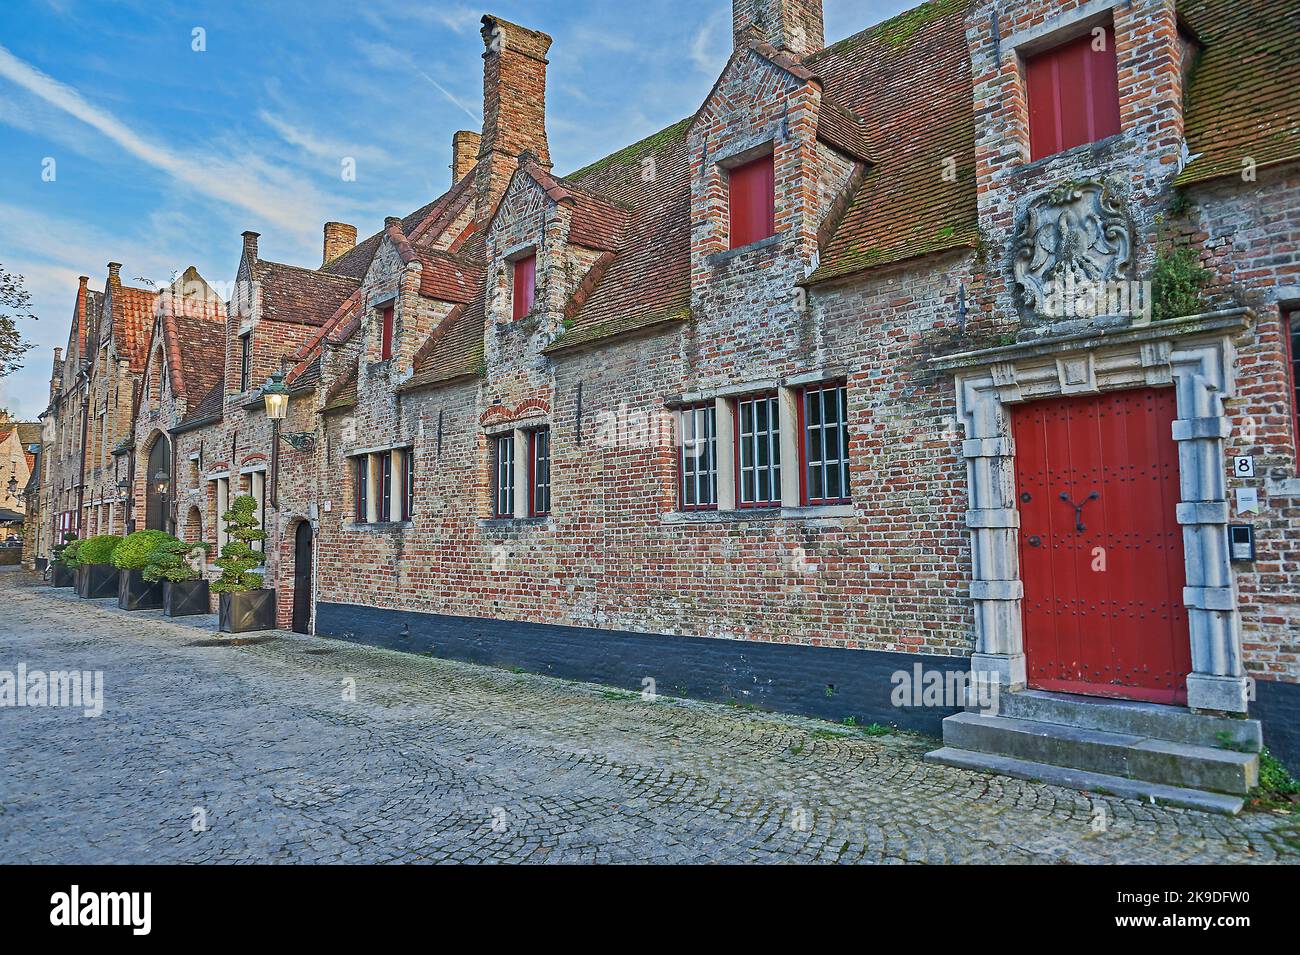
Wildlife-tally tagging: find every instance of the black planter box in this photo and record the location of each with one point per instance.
(62, 576)
(186, 598)
(96, 581)
(247, 611)
(136, 593)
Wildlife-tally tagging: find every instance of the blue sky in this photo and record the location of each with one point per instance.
(164, 155)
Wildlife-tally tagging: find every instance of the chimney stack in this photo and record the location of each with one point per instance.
(514, 105)
(795, 26)
(250, 246)
(339, 238)
(464, 153)
(115, 271)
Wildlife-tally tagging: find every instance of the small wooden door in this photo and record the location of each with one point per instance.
(302, 578)
(1101, 551)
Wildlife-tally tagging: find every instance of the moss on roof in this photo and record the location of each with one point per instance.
(629, 153)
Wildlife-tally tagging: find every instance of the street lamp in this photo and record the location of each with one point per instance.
(124, 490)
(161, 481)
(275, 393)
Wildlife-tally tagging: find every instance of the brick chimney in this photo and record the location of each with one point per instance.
(794, 26)
(514, 105)
(339, 238)
(115, 272)
(250, 246)
(465, 147)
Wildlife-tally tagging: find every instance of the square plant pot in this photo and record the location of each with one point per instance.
(61, 576)
(136, 593)
(247, 611)
(186, 598)
(97, 581)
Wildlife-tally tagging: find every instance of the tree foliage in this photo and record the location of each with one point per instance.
(174, 561)
(238, 556)
(133, 552)
(15, 307)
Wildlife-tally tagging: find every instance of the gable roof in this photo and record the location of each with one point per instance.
(648, 281)
(132, 324)
(303, 296)
(1243, 98)
(911, 76)
(193, 322)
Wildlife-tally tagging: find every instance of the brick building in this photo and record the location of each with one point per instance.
(895, 357)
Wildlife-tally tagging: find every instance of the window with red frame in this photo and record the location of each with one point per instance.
(386, 333)
(752, 202)
(503, 496)
(524, 284)
(408, 483)
(699, 458)
(361, 467)
(1291, 342)
(824, 422)
(1073, 93)
(539, 472)
(758, 451)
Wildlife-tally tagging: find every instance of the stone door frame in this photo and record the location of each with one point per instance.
(1194, 355)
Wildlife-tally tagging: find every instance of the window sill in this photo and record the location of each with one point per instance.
(816, 512)
(377, 527)
(512, 523)
(1074, 151)
(718, 258)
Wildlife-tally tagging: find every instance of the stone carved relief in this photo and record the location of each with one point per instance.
(1073, 241)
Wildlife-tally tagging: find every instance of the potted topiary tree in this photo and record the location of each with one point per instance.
(184, 588)
(96, 575)
(243, 604)
(131, 557)
(63, 568)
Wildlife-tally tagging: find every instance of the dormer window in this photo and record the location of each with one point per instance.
(525, 281)
(386, 333)
(245, 361)
(1073, 92)
(752, 201)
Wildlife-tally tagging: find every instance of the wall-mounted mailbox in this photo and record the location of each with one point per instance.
(1241, 543)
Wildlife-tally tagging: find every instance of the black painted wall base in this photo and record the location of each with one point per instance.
(1277, 707)
(824, 682)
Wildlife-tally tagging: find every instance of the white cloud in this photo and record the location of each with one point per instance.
(314, 144)
(281, 201)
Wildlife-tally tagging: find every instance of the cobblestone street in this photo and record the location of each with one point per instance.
(441, 761)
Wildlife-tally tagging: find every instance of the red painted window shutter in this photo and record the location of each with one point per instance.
(1073, 95)
(525, 281)
(386, 342)
(750, 195)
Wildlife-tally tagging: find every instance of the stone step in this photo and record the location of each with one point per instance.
(1123, 755)
(1130, 717)
(1088, 782)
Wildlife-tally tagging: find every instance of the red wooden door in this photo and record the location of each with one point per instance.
(1101, 552)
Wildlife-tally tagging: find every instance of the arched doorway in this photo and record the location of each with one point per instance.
(302, 578)
(157, 488)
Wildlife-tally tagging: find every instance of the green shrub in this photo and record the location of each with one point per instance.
(1176, 282)
(172, 561)
(133, 552)
(98, 549)
(66, 553)
(238, 556)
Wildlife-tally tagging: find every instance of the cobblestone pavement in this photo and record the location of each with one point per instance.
(441, 761)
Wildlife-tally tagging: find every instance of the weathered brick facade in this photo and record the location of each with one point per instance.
(905, 263)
